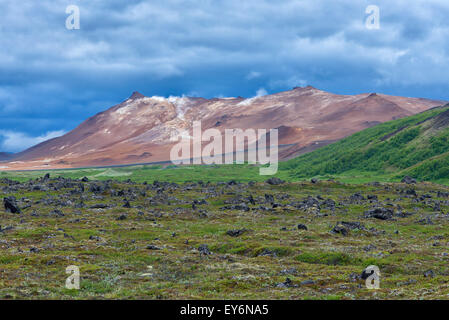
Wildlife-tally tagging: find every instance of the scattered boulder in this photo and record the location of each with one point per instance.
(429, 274)
(353, 225)
(242, 206)
(269, 198)
(343, 227)
(96, 238)
(95, 188)
(411, 192)
(442, 194)
(127, 204)
(340, 229)
(11, 205)
(56, 213)
(379, 213)
(426, 220)
(267, 252)
(302, 227)
(408, 180)
(235, 233)
(274, 181)
(99, 206)
(369, 247)
(288, 283)
(356, 197)
(403, 214)
(46, 177)
(204, 250)
(153, 247)
(354, 277)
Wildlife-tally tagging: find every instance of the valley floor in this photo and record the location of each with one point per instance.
(227, 240)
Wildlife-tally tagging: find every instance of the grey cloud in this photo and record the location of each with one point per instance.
(212, 48)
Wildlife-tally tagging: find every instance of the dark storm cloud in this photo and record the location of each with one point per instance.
(52, 78)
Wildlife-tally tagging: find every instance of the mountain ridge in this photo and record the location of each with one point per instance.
(140, 128)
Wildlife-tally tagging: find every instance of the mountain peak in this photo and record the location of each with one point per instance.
(309, 87)
(136, 95)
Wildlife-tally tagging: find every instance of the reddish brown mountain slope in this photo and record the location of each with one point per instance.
(138, 130)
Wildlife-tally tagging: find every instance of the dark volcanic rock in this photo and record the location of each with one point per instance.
(411, 192)
(269, 198)
(11, 205)
(357, 197)
(288, 283)
(235, 233)
(441, 194)
(242, 206)
(204, 250)
(429, 274)
(267, 252)
(426, 220)
(402, 214)
(153, 247)
(379, 213)
(328, 203)
(99, 206)
(95, 188)
(274, 181)
(408, 180)
(340, 229)
(56, 213)
(353, 225)
(343, 227)
(353, 277)
(369, 247)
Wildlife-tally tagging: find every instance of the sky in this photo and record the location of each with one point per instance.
(52, 78)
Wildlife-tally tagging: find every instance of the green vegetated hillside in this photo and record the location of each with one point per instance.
(417, 146)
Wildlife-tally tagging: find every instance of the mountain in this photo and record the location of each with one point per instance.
(6, 156)
(417, 146)
(139, 129)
